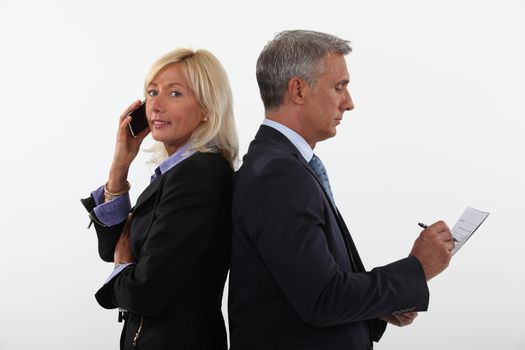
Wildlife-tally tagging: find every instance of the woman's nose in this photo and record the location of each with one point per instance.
(156, 104)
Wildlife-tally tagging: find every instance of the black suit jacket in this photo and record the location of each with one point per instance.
(296, 279)
(181, 239)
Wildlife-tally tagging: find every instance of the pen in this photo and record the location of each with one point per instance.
(425, 226)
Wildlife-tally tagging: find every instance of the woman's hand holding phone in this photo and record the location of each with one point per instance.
(126, 149)
(139, 120)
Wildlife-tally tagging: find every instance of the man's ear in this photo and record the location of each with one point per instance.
(296, 90)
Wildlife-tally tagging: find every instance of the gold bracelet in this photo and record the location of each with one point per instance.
(110, 195)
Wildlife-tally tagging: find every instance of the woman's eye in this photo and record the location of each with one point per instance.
(175, 93)
(152, 93)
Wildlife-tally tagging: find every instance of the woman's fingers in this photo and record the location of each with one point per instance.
(130, 108)
(125, 119)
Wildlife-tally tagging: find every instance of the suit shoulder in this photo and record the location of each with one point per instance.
(201, 162)
(202, 168)
(270, 161)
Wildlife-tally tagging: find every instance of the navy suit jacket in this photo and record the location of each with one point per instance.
(296, 278)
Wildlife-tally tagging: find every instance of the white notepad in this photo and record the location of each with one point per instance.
(466, 225)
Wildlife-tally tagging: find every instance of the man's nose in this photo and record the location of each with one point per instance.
(348, 103)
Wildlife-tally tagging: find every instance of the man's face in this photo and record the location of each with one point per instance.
(326, 100)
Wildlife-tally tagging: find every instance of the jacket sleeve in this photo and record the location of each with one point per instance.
(183, 224)
(107, 235)
(287, 224)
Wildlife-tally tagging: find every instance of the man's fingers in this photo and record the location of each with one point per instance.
(406, 318)
(409, 315)
(439, 226)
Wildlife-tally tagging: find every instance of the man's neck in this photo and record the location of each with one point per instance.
(289, 117)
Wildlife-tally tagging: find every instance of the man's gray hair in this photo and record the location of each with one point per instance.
(293, 53)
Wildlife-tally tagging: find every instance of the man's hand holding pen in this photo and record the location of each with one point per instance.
(432, 248)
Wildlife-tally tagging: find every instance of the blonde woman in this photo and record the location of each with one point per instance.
(172, 249)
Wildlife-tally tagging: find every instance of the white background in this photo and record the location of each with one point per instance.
(438, 125)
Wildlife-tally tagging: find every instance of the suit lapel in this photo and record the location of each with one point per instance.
(350, 246)
(312, 172)
(150, 191)
(354, 255)
(268, 133)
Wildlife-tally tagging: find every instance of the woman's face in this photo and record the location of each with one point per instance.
(172, 108)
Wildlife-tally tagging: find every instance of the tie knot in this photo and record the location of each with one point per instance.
(318, 166)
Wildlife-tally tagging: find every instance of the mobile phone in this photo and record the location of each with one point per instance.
(139, 121)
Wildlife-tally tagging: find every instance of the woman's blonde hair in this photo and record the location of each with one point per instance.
(209, 82)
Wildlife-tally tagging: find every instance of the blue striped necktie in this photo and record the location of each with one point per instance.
(320, 171)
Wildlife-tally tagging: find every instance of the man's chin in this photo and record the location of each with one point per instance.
(327, 136)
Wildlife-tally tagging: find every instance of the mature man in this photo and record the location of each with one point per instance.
(296, 279)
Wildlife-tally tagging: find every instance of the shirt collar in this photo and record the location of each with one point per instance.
(297, 140)
(177, 157)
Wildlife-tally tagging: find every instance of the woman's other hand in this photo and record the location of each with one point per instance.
(123, 249)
